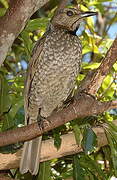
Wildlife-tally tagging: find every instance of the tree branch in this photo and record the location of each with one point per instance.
(84, 106)
(48, 150)
(94, 79)
(14, 22)
(3, 177)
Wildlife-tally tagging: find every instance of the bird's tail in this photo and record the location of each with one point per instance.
(31, 156)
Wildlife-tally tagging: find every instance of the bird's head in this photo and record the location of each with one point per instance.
(70, 18)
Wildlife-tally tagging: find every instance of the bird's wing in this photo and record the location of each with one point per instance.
(31, 151)
(36, 55)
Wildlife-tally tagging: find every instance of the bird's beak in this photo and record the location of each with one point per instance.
(87, 14)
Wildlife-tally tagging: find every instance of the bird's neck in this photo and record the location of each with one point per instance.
(58, 29)
(73, 32)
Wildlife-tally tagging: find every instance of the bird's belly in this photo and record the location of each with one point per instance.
(56, 86)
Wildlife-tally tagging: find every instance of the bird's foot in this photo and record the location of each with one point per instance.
(68, 101)
(42, 122)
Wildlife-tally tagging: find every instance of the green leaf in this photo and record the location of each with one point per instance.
(84, 8)
(113, 147)
(106, 82)
(108, 87)
(57, 138)
(107, 155)
(27, 42)
(16, 106)
(104, 0)
(92, 166)
(89, 140)
(112, 126)
(44, 171)
(2, 11)
(80, 77)
(78, 171)
(10, 120)
(20, 117)
(85, 167)
(90, 23)
(36, 24)
(4, 95)
(115, 66)
(112, 131)
(89, 43)
(110, 92)
(67, 174)
(5, 3)
(86, 49)
(91, 66)
(77, 132)
(108, 116)
(105, 45)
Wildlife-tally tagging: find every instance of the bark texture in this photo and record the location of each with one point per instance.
(68, 147)
(84, 106)
(14, 22)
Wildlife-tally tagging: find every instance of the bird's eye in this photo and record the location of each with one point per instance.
(70, 13)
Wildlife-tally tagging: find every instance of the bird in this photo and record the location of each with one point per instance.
(51, 77)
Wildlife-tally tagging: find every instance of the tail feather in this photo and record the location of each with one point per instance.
(31, 156)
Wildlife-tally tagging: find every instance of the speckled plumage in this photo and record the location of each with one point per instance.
(57, 67)
(53, 68)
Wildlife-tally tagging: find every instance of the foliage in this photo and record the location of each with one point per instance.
(97, 35)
